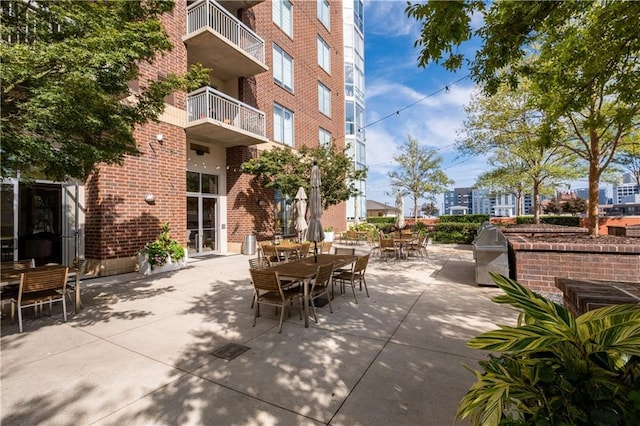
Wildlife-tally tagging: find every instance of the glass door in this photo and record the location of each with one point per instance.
(9, 220)
(202, 204)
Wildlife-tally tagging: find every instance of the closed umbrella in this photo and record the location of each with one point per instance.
(315, 232)
(400, 209)
(301, 210)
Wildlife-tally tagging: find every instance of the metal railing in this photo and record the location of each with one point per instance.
(208, 13)
(210, 103)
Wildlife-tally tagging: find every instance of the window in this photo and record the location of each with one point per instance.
(282, 15)
(282, 68)
(202, 183)
(324, 58)
(284, 215)
(349, 118)
(282, 125)
(358, 14)
(323, 13)
(324, 137)
(324, 99)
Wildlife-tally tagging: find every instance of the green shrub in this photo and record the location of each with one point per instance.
(554, 369)
(381, 220)
(465, 218)
(552, 220)
(455, 233)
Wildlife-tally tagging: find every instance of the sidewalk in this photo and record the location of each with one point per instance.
(140, 353)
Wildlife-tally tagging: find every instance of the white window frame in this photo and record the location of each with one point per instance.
(283, 125)
(324, 13)
(282, 14)
(324, 55)
(324, 99)
(325, 138)
(282, 68)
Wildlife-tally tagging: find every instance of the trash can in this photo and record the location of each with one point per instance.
(490, 252)
(249, 244)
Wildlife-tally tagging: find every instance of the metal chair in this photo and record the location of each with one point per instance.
(269, 291)
(320, 287)
(39, 286)
(356, 274)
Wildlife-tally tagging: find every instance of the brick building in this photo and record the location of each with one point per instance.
(277, 78)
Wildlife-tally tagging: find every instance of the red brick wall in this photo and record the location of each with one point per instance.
(118, 220)
(261, 91)
(536, 264)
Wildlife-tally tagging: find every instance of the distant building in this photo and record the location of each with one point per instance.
(376, 209)
(625, 192)
(459, 197)
(602, 195)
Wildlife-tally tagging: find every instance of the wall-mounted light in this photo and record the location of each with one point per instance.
(261, 203)
(159, 138)
(150, 198)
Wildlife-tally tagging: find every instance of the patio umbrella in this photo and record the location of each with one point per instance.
(315, 232)
(400, 209)
(301, 210)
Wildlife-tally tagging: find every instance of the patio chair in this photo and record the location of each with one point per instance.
(356, 273)
(344, 250)
(325, 246)
(40, 286)
(304, 249)
(320, 287)
(269, 291)
(415, 247)
(388, 248)
(270, 253)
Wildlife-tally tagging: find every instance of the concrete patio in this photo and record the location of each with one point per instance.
(140, 353)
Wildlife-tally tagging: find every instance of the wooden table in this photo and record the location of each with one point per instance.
(305, 270)
(285, 249)
(12, 277)
(402, 241)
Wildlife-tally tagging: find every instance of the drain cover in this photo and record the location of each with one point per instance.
(229, 351)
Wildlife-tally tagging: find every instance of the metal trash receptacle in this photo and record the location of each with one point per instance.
(249, 244)
(490, 252)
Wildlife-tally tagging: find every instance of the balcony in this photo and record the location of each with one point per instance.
(217, 118)
(218, 40)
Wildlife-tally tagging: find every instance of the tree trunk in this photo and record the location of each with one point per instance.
(594, 181)
(536, 202)
(415, 210)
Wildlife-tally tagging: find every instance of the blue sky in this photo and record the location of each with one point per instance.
(393, 81)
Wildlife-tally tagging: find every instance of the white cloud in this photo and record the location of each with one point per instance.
(387, 17)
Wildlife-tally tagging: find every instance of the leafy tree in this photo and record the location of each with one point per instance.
(508, 178)
(429, 209)
(575, 206)
(65, 68)
(286, 170)
(587, 68)
(508, 126)
(419, 173)
(629, 156)
(553, 206)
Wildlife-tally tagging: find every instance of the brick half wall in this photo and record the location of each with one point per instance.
(536, 264)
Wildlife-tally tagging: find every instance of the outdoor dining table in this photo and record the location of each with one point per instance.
(402, 242)
(305, 270)
(11, 276)
(286, 248)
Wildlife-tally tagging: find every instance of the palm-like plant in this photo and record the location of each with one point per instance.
(555, 369)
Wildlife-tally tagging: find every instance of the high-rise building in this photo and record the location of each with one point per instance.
(354, 106)
(626, 191)
(277, 79)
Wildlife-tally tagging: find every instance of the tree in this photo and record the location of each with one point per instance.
(429, 209)
(629, 156)
(286, 170)
(419, 173)
(508, 178)
(64, 75)
(510, 127)
(575, 206)
(553, 206)
(587, 68)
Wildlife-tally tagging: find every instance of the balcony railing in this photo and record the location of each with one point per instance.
(208, 103)
(208, 13)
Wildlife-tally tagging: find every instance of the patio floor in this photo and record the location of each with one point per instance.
(140, 353)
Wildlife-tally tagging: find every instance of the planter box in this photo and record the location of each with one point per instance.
(329, 236)
(145, 268)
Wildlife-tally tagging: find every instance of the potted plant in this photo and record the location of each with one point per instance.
(555, 369)
(162, 255)
(329, 235)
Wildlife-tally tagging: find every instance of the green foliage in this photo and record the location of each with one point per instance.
(62, 110)
(419, 172)
(455, 232)
(551, 220)
(465, 218)
(286, 170)
(554, 369)
(164, 246)
(383, 223)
